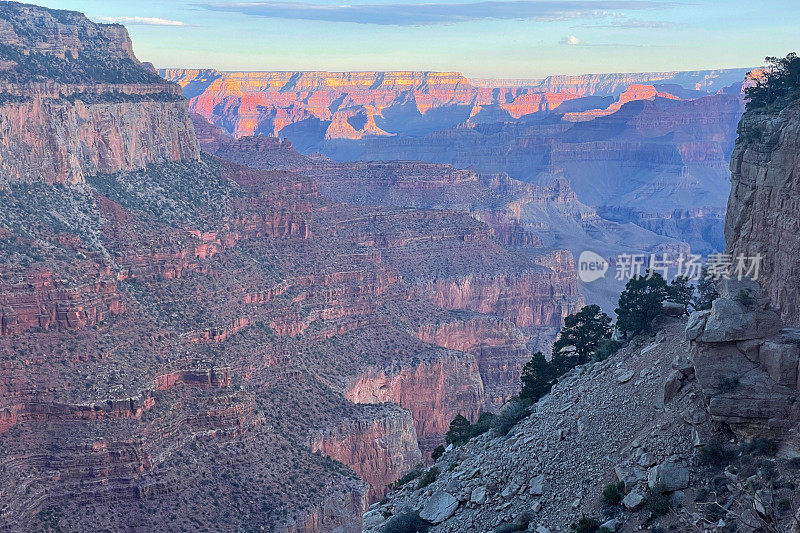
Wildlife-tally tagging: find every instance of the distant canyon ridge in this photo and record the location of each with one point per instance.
(650, 149)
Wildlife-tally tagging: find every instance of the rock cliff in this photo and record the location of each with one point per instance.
(763, 212)
(74, 100)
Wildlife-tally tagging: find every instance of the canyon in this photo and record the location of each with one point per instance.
(682, 414)
(195, 334)
(231, 299)
(650, 149)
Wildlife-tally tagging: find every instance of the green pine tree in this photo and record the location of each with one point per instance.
(680, 291)
(641, 303)
(459, 432)
(583, 330)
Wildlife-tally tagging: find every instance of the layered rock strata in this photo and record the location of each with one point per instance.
(762, 218)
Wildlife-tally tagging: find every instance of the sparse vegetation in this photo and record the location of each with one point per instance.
(406, 523)
(760, 446)
(658, 501)
(429, 477)
(727, 384)
(613, 493)
(716, 452)
(437, 452)
(411, 476)
(744, 297)
(779, 84)
(586, 524)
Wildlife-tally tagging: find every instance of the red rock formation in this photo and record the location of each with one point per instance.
(40, 300)
(499, 348)
(525, 298)
(380, 449)
(100, 111)
(633, 92)
(434, 391)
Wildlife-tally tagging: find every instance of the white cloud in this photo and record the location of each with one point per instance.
(571, 40)
(146, 21)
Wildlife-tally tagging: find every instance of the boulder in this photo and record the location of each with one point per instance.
(696, 324)
(612, 525)
(537, 485)
(439, 507)
(633, 501)
(673, 309)
(780, 361)
(673, 385)
(625, 376)
(629, 475)
(730, 320)
(669, 476)
(478, 495)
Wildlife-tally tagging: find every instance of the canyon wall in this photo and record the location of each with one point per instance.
(380, 449)
(74, 100)
(763, 215)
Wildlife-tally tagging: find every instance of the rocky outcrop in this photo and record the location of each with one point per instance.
(95, 109)
(435, 391)
(379, 448)
(745, 363)
(763, 214)
(525, 299)
(499, 347)
(41, 300)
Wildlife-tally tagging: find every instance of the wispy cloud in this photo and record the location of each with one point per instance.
(145, 21)
(424, 14)
(627, 24)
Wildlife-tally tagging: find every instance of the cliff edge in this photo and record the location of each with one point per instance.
(75, 101)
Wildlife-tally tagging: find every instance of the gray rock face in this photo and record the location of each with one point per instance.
(743, 362)
(696, 324)
(633, 501)
(439, 507)
(669, 476)
(780, 360)
(730, 320)
(673, 385)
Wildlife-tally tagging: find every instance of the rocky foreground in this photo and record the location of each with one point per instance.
(696, 440)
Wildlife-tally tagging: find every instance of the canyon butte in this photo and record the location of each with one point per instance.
(203, 328)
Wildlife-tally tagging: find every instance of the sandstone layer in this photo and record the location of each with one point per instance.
(74, 100)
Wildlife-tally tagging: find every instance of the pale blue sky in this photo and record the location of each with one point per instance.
(513, 39)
